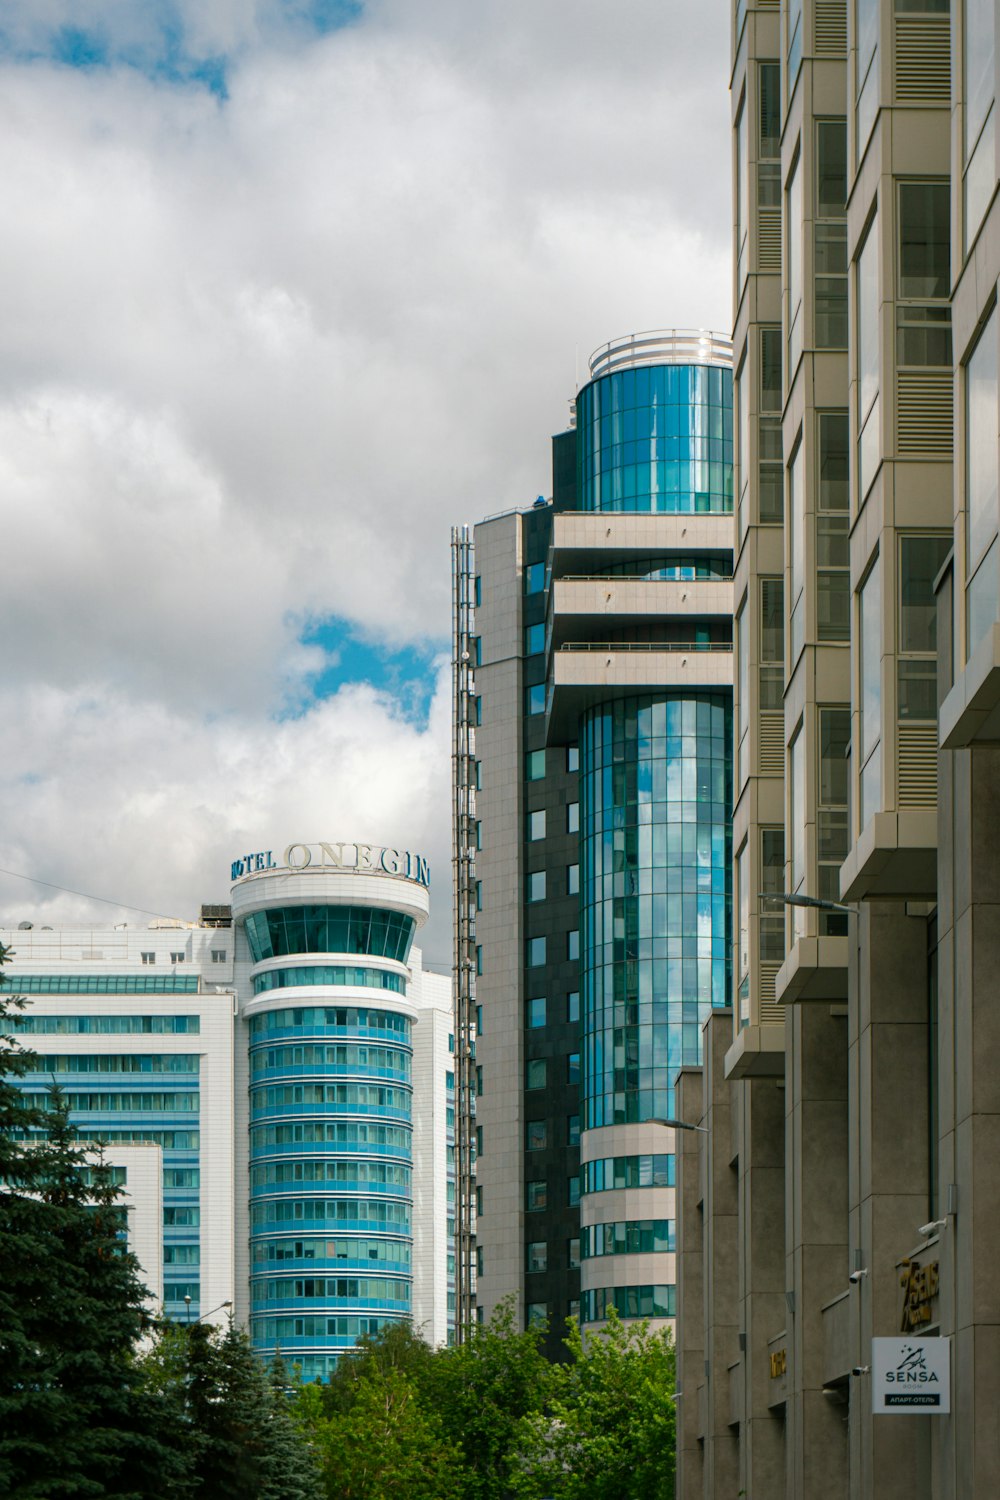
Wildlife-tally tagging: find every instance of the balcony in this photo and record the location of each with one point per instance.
(586, 673)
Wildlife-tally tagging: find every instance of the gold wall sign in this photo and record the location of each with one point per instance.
(920, 1286)
(779, 1363)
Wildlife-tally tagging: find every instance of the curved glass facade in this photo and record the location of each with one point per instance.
(655, 834)
(329, 929)
(657, 438)
(352, 974)
(331, 1232)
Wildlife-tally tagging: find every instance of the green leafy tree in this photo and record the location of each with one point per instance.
(484, 1388)
(383, 1445)
(609, 1431)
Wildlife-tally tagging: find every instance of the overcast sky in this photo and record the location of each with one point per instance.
(286, 289)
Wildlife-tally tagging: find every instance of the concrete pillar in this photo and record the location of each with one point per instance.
(889, 1157)
(689, 1233)
(759, 1118)
(816, 1202)
(722, 1353)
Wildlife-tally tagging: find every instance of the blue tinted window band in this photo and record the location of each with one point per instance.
(186, 1103)
(102, 1025)
(329, 929)
(293, 1288)
(100, 984)
(611, 1172)
(360, 1056)
(143, 1062)
(630, 1302)
(358, 978)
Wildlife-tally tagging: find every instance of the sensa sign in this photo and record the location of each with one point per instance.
(336, 857)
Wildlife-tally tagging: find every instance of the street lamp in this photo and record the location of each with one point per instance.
(204, 1315)
(679, 1125)
(786, 898)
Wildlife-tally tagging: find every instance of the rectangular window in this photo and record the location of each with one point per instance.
(573, 1006)
(866, 73)
(477, 711)
(534, 765)
(572, 880)
(479, 895)
(573, 1130)
(793, 43)
(830, 234)
(535, 1073)
(793, 250)
(535, 1011)
(833, 576)
(869, 442)
(769, 135)
(772, 644)
(831, 812)
(770, 469)
(536, 1137)
(479, 958)
(573, 817)
(534, 640)
(177, 958)
(534, 699)
(573, 944)
(573, 1254)
(534, 578)
(477, 650)
(536, 1312)
(536, 825)
(572, 758)
(870, 760)
(536, 1196)
(743, 937)
(920, 560)
(535, 952)
(741, 412)
(771, 923)
(797, 809)
(537, 1255)
(573, 1190)
(923, 312)
(796, 556)
(742, 255)
(979, 71)
(981, 518)
(573, 1068)
(148, 958)
(535, 886)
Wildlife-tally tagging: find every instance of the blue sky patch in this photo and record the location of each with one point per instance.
(405, 673)
(160, 47)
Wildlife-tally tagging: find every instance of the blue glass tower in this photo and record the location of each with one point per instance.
(330, 1036)
(651, 703)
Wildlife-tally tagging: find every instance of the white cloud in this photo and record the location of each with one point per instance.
(257, 355)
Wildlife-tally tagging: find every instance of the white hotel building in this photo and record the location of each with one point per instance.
(274, 1084)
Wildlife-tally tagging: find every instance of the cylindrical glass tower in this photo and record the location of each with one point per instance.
(654, 438)
(330, 1111)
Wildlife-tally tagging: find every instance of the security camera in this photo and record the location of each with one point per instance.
(932, 1227)
(860, 1370)
(856, 1276)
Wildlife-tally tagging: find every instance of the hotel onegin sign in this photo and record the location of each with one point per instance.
(336, 857)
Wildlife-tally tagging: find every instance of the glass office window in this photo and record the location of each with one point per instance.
(771, 671)
(868, 361)
(770, 469)
(830, 235)
(769, 135)
(742, 706)
(833, 571)
(535, 954)
(797, 809)
(793, 43)
(793, 251)
(742, 256)
(870, 764)
(573, 817)
(923, 312)
(831, 812)
(572, 880)
(743, 936)
(573, 944)
(534, 640)
(866, 75)
(572, 758)
(573, 1006)
(535, 1011)
(796, 555)
(534, 578)
(535, 1073)
(536, 1135)
(921, 558)
(534, 699)
(534, 765)
(536, 825)
(981, 436)
(741, 401)
(979, 152)
(535, 886)
(771, 922)
(537, 1255)
(536, 1196)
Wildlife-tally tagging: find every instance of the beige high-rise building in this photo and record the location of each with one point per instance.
(848, 1188)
